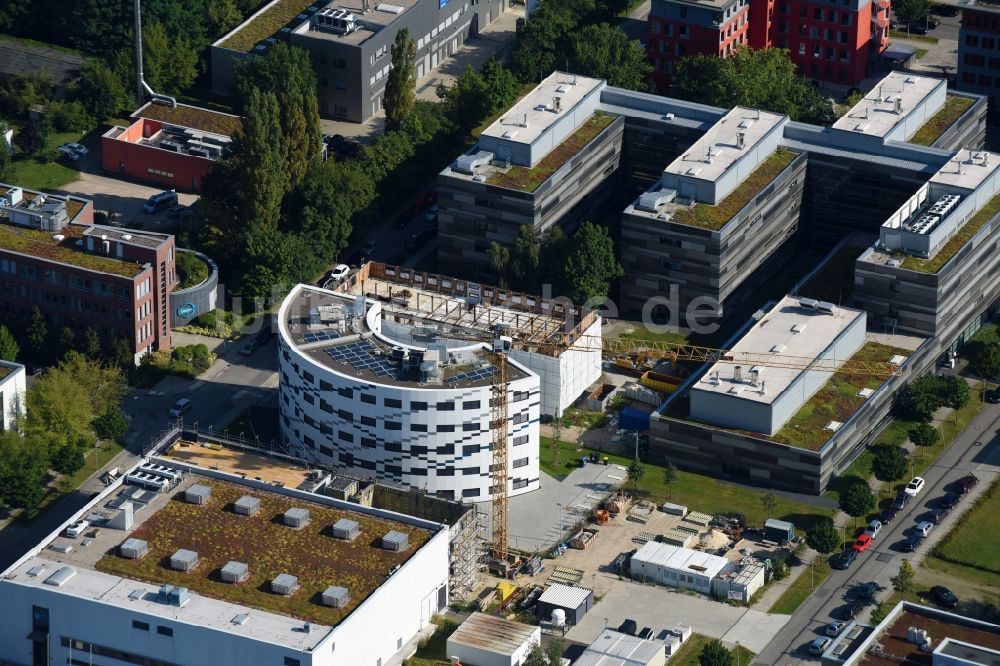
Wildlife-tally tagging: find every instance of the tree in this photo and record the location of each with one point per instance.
(769, 500)
(902, 582)
(525, 257)
(669, 478)
(500, 85)
(554, 651)
(890, 463)
(68, 459)
(90, 343)
(924, 434)
(536, 657)
(757, 79)
(636, 470)
(259, 159)
(920, 399)
(34, 136)
(23, 466)
(170, 64)
(222, 15)
(954, 392)
(400, 84)
(38, 332)
(111, 424)
(499, 257)
(986, 361)
(823, 537)
(604, 51)
(590, 264)
(779, 568)
(909, 12)
(544, 42)
(66, 338)
(857, 500)
(715, 654)
(9, 349)
(466, 101)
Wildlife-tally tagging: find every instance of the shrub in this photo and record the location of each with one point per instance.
(69, 116)
(780, 569)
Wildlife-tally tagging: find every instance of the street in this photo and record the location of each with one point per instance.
(976, 449)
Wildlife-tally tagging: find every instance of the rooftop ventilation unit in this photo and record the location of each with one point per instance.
(235, 572)
(62, 576)
(809, 303)
(335, 597)
(738, 373)
(165, 472)
(345, 529)
(469, 163)
(184, 560)
(338, 21)
(826, 307)
(247, 505)
(296, 517)
(14, 196)
(285, 584)
(395, 541)
(133, 549)
(173, 596)
(651, 201)
(198, 494)
(798, 328)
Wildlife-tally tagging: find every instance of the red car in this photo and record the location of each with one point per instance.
(863, 543)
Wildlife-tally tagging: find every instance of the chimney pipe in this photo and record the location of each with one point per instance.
(738, 373)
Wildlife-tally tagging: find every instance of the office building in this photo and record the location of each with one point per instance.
(82, 275)
(155, 577)
(350, 42)
(12, 388)
(173, 146)
(677, 29)
(979, 48)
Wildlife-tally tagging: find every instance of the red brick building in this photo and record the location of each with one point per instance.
(829, 41)
(979, 49)
(172, 146)
(80, 275)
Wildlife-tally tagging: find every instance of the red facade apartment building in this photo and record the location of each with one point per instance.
(81, 275)
(829, 40)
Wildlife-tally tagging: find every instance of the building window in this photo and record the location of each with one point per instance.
(520, 439)
(367, 442)
(393, 425)
(445, 427)
(342, 392)
(368, 398)
(418, 427)
(164, 631)
(393, 402)
(418, 406)
(292, 661)
(368, 421)
(339, 110)
(160, 172)
(345, 436)
(470, 450)
(141, 626)
(470, 492)
(521, 462)
(683, 32)
(446, 406)
(339, 63)
(520, 418)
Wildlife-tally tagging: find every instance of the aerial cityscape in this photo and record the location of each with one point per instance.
(503, 333)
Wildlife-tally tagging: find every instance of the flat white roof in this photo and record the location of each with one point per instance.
(967, 169)
(788, 330)
(875, 114)
(537, 107)
(98, 587)
(692, 562)
(613, 648)
(565, 595)
(717, 149)
(494, 634)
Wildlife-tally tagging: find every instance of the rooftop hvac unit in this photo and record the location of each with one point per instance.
(172, 146)
(827, 308)
(651, 201)
(173, 596)
(235, 572)
(184, 560)
(160, 470)
(296, 517)
(198, 494)
(809, 303)
(284, 584)
(247, 505)
(133, 549)
(395, 541)
(335, 597)
(468, 163)
(14, 196)
(346, 530)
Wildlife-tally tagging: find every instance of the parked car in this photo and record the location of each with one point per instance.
(914, 487)
(852, 610)
(403, 219)
(77, 528)
(869, 590)
(333, 140)
(967, 483)
(175, 211)
(336, 274)
(942, 596)
(874, 527)
(863, 543)
(180, 408)
(924, 528)
(950, 500)
(992, 396)
(69, 153)
(250, 346)
(888, 513)
(913, 542)
(78, 147)
(819, 645)
(938, 515)
(834, 628)
(418, 205)
(845, 559)
(161, 201)
(628, 627)
(431, 214)
(901, 501)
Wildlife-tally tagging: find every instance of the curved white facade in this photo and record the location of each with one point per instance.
(433, 436)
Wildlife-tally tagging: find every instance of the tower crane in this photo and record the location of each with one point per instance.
(505, 340)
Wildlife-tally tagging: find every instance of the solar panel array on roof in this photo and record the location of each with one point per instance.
(471, 376)
(320, 336)
(363, 355)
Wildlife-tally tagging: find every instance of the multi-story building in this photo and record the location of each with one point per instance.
(82, 275)
(390, 377)
(680, 28)
(174, 146)
(12, 388)
(186, 560)
(835, 43)
(979, 48)
(351, 42)
(545, 163)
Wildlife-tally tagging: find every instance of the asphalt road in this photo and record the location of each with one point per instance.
(976, 449)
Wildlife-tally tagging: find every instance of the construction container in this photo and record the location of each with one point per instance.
(638, 393)
(666, 384)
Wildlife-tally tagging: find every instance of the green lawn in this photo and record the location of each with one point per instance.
(974, 541)
(802, 587)
(696, 491)
(987, 334)
(433, 652)
(689, 652)
(901, 34)
(37, 175)
(921, 53)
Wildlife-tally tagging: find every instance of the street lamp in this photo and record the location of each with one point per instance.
(737, 653)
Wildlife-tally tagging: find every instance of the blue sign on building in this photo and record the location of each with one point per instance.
(187, 310)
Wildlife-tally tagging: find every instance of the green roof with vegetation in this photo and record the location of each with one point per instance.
(265, 24)
(529, 179)
(837, 400)
(714, 217)
(194, 117)
(939, 123)
(951, 248)
(41, 244)
(73, 205)
(4, 371)
(269, 548)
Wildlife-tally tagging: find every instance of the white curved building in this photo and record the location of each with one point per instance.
(351, 396)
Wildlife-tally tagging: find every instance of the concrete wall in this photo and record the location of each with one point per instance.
(12, 388)
(920, 114)
(122, 157)
(202, 296)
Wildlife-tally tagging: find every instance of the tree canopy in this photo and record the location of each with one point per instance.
(715, 654)
(857, 500)
(604, 51)
(400, 85)
(890, 463)
(823, 537)
(758, 79)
